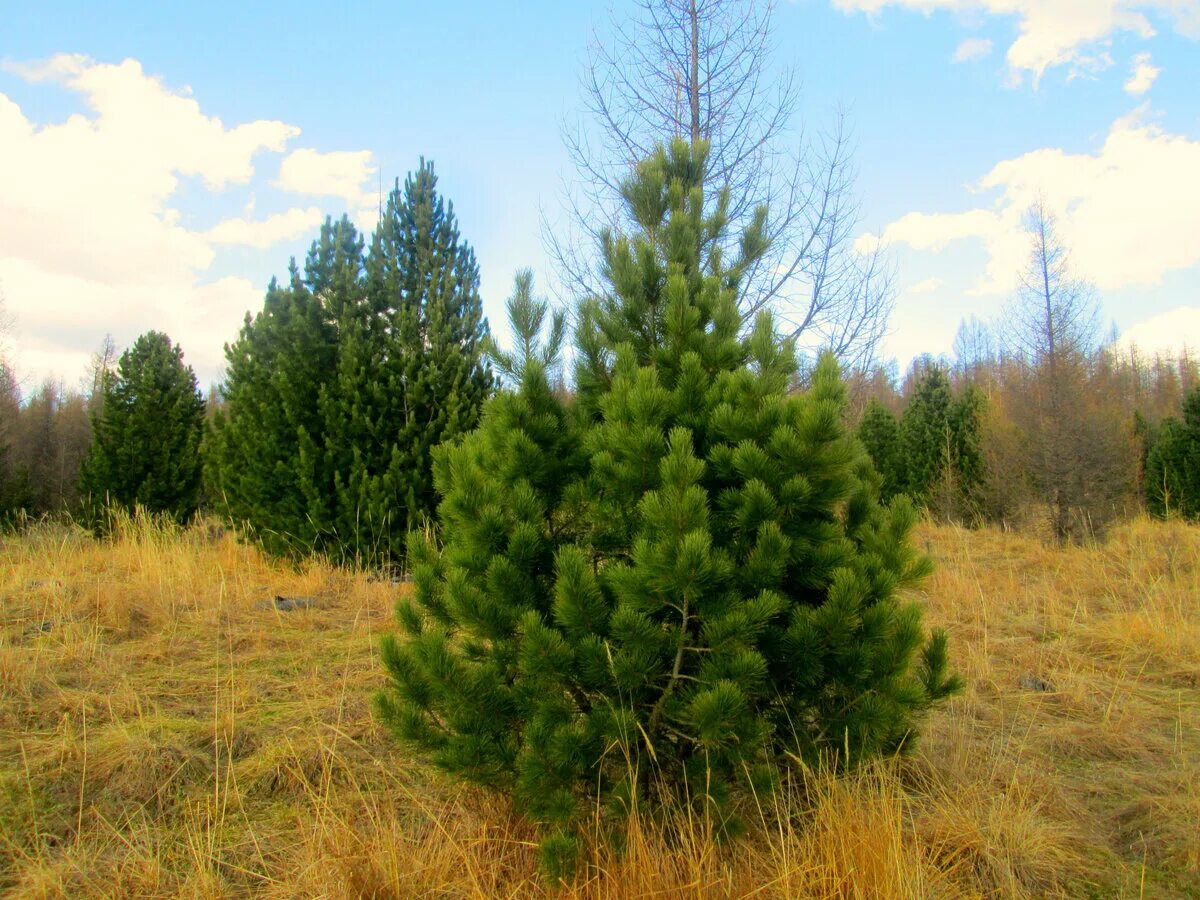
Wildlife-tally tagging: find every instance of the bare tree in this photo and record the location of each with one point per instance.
(101, 367)
(974, 349)
(1079, 447)
(699, 70)
(1056, 315)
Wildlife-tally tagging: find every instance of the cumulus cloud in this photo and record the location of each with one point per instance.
(1058, 32)
(1130, 211)
(346, 174)
(91, 237)
(1168, 333)
(972, 49)
(262, 233)
(1142, 76)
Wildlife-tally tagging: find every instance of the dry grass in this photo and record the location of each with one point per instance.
(163, 735)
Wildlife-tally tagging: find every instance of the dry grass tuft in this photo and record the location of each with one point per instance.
(164, 731)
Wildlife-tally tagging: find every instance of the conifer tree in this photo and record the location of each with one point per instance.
(1173, 464)
(265, 454)
(674, 581)
(966, 427)
(940, 443)
(145, 447)
(411, 372)
(880, 434)
(338, 390)
(14, 479)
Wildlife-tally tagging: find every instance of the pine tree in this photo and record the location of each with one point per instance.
(966, 430)
(411, 372)
(355, 369)
(674, 581)
(265, 454)
(145, 447)
(940, 443)
(880, 434)
(527, 316)
(1173, 464)
(925, 432)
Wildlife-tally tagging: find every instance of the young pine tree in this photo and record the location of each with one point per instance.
(338, 390)
(145, 447)
(674, 581)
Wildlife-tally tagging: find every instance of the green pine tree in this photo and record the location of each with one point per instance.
(145, 447)
(411, 372)
(677, 580)
(265, 454)
(880, 434)
(1173, 464)
(941, 445)
(966, 432)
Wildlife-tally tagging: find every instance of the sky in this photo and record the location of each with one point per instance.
(160, 162)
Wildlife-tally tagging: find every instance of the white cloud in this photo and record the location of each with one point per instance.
(91, 238)
(1143, 75)
(1057, 32)
(346, 174)
(928, 286)
(1130, 211)
(972, 49)
(263, 233)
(1167, 333)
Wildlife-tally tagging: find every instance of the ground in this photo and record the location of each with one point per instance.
(167, 729)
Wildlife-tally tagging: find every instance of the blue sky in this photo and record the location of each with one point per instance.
(162, 162)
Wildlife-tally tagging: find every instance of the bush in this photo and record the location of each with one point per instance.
(674, 581)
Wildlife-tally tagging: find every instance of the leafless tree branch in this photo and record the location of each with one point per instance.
(699, 69)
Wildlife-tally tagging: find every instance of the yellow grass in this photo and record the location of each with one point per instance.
(162, 735)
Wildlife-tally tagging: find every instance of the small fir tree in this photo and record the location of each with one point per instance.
(674, 581)
(145, 447)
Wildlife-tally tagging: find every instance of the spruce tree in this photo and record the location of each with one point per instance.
(677, 579)
(880, 434)
(1173, 464)
(145, 449)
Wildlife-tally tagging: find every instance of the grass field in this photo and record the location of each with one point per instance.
(164, 730)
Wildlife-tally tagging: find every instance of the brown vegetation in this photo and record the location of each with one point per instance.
(166, 730)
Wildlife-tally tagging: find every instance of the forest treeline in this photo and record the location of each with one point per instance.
(967, 439)
(963, 435)
(365, 358)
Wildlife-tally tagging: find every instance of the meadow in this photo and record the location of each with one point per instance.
(168, 729)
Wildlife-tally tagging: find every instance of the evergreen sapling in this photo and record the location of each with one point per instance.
(672, 583)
